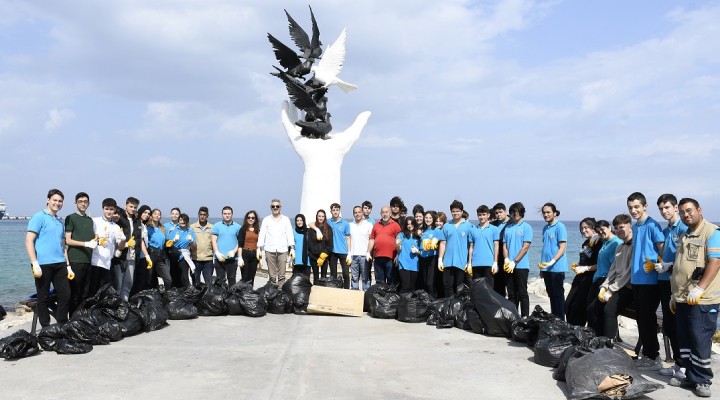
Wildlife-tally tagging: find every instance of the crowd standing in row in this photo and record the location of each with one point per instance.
(627, 262)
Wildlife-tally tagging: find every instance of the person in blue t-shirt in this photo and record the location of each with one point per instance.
(501, 220)
(341, 245)
(484, 246)
(408, 246)
(668, 206)
(45, 245)
(156, 250)
(225, 246)
(648, 241)
(427, 263)
(180, 240)
(553, 260)
(454, 249)
(518, 237)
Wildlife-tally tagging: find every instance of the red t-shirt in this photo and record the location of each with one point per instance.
(384, 236)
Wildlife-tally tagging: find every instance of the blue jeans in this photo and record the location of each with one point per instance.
(358, 268)
(384, 270)
(204, 268)
(695, 328)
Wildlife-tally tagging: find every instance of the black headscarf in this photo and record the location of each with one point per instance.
(304, 227)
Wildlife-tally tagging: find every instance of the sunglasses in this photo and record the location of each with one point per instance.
(274, 207)
(250, 217)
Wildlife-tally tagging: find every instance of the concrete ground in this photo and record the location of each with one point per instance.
(295, 357)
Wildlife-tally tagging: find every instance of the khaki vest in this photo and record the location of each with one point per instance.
(691, 254)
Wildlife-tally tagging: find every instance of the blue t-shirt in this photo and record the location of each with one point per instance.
(371, 220)
(457, 242)
(156, 238)
(50, 232)
(227, 236)
(672, 238)
(606, 256)
(406, 259)
(515, 236)
(484, 239)
(299, 242)
(553, 235)
(645, 235)
(429, 234)
(340, 229)
(183, 242)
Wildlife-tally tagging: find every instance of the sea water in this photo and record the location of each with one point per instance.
(17, 283)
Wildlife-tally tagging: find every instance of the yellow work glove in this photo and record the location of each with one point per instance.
(321, 259)
(468, 269)
(546, 264)
(102, 241)
(169, 243)
(71, 274)
(36, 270)
(149, 263)
(258, 254)
(348, 260)
(425, 244)
(509, 266)
(434, 243)
(649, 265)
(693, 298)
(131, 242)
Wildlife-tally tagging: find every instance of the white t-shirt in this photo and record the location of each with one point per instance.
(276, 235)
(359, 237)
(102, 255)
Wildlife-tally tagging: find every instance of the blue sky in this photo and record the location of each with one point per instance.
(578, 103)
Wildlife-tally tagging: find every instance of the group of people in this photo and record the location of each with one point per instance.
(620, 264)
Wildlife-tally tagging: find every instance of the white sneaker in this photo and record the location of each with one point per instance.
(670, 371)
(680, 373)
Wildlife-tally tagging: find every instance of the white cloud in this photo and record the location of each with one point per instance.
(58, 117)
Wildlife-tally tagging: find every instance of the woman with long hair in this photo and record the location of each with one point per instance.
(142, 278)
(576, 303)
(156, 246)
(301, 263)
(408, 246)
(605, 258)
(247, 241)
(179, 240)
(320, 244)
(427, 263)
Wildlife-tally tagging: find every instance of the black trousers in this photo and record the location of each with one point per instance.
(594, 318)
(501, 279)
(556, 291)
(517, 290)
(576, 303)
(334, 259)
(248, 271)
(611, 310)
(483, 272)
(426, 275)
(669, 325)
(452, 277)
(408, 280)
(142, 278)
(647, 300)
(226, 269)
(99, 277)
(80, 286)
(55, 275)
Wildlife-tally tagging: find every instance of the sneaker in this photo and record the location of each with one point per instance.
(669, 371)
(680, 373)
(702, 390)
(680, 383)
(648, 364)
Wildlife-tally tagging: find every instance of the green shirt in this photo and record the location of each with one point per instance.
(81, 229)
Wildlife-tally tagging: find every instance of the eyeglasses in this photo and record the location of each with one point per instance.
(83, 202)
(250, 217)
(274, 207)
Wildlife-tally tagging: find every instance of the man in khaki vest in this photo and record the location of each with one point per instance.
(696, 296)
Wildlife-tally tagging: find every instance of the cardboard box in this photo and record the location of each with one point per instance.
(325, 300)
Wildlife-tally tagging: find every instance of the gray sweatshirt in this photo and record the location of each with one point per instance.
(620, 271)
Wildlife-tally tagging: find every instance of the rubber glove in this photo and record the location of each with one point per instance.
(547, 264)
(71, 274)
(414, 250)
(468, 269)
(434, 242)
(494, 269)
(509, 266)
(581, 269)
(241, 262)
(368, 256)
(91, 244)
(220, 256)
(291, 254)
(348, 259)
(321, 259)
(131, 242)
(120, 237)
(189, 238)
(604, 295)
(258, 254)
(36, 270)
(425, 244)
(177, 237)
(118, 253)
(169, 243)
(649, 265)
(318, 234)
(192, 267)
(663, 267)
(441, 266)
(231, 254)
(693, 298)
(102, 241)
(149, 263)
(672, 304)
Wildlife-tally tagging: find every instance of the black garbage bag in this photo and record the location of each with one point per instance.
(3, 313)
(549, 350)
(476, 324)
(330, 282)
(526, 329)
(585, 374)
(269, 292)
(384, 304)
(555, 327)
(19, 345)
(132, 325)
(385, 287)
(84, 328)
(298, 287)
(192, 294)
(107, 300)
(49, 336)
(414, 306)
(212, 299)
(496, 312)
(111, 330)
(65, 346)
(150, 307)
(434, 310)
(281, 304)
(462, 320)
(448, 312)
(178, 305)
(232, 301)
(579, 350)
(252, 304)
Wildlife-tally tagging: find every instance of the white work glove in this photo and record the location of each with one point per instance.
(192, 267)
(368, 256)
(693, 298)
(241, 262)
(120, 237)
(118, 253)
(581, 269)
(441, 265)
(468, 269)
(220, 256)
(604, 295)
(71, 274)
(177, 237)
(91, 244)
(494, 268)
(291, 254)
(509, 266)
(189, 238)
(414, 250)
(663, 267)
(547, 264)
(348, 259)
(36, 270)
(318, 234)
(259, 254)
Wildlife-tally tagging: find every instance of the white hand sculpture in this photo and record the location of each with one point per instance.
(322, 158)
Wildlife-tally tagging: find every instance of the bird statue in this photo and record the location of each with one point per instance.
(327, 70)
